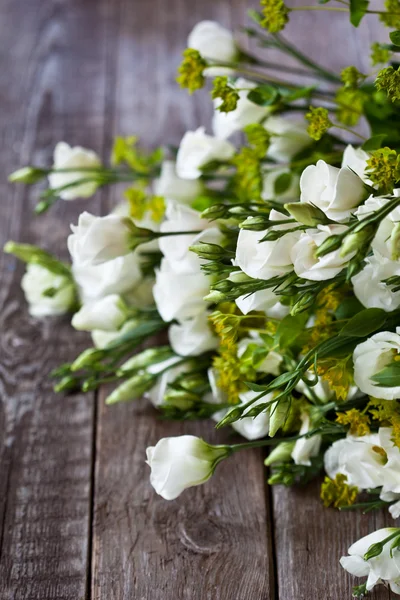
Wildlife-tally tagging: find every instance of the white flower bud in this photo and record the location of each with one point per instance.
(178, 463)
(46, 293)
(96, 240)
(68, 158)
(107, 314)
(197, 149)
(213, 41)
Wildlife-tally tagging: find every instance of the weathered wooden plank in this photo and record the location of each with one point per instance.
(309, 539)
(212, 543)
(52, 86)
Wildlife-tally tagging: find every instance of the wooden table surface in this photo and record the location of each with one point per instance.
(78, 518)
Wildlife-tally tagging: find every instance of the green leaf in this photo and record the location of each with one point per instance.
(348, 308)
(374, 142)
(389, 376)
(395, 37)
(358, 8)
(290, 328)
(292, 95)
(282, 183)
(263, 95)
(365, 322)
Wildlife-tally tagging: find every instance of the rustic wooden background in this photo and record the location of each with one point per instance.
(78, 518)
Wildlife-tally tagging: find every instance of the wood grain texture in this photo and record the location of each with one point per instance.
(206, 545)
(52, 83)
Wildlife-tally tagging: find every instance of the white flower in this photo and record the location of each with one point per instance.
(288, 138)
(246, 112)
(383, 568)
(197, 149)
(291, 194)
(369, 286)
(263, 260)
(116, 276)
(38, 280)
(175, 248)
(178, 463)
(157, 392)
(356, 160)
(382, 242)
(306, 448)
(337, 192)
(66, 157)
(96, 240)
(107, 314)
(101, 338)
(253, 428)
(172, 187)
(264, 300)
(309, 266)
(192, 337)
(372, 356)
(213, 41)
(358, 459)
(179, 295)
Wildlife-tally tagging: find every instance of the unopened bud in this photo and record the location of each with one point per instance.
(148, 357)
(281, 453)
(132, 389)
(306, 213)
(217, 211)
(373, 551)
(182, 399)
(88, 358)
(27, 175)
(332, 243)
(357, 241)
(67, 383)
(208, 251)
(255, 223)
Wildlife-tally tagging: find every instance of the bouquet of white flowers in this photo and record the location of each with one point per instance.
(271, 263)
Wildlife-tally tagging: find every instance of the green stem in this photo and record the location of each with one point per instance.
(285, 46)
(324, 8)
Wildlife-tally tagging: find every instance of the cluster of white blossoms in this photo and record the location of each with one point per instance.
(271, 266)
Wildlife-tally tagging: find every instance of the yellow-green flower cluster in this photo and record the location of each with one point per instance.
(227, 93)
(383, 168)
(358, 421)
(319, 122)
(391, 18)
(258, 137)
(191, 70)
(388, 80)
(337, 492)
(380, 54)
(275, 15)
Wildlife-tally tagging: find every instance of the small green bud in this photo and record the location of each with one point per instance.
(380, 54)
(277, 416)
(27, 175)
(306, 213)
(331, 244)
(209, 251)
(215, 297)
(281, 453)
(216, 211)
(88, 358)
(148, 357)
(373, 551)
(233, 415)
(182, 399)
(66, 384)
(132, 389)
(254, 223)
(352, 77)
